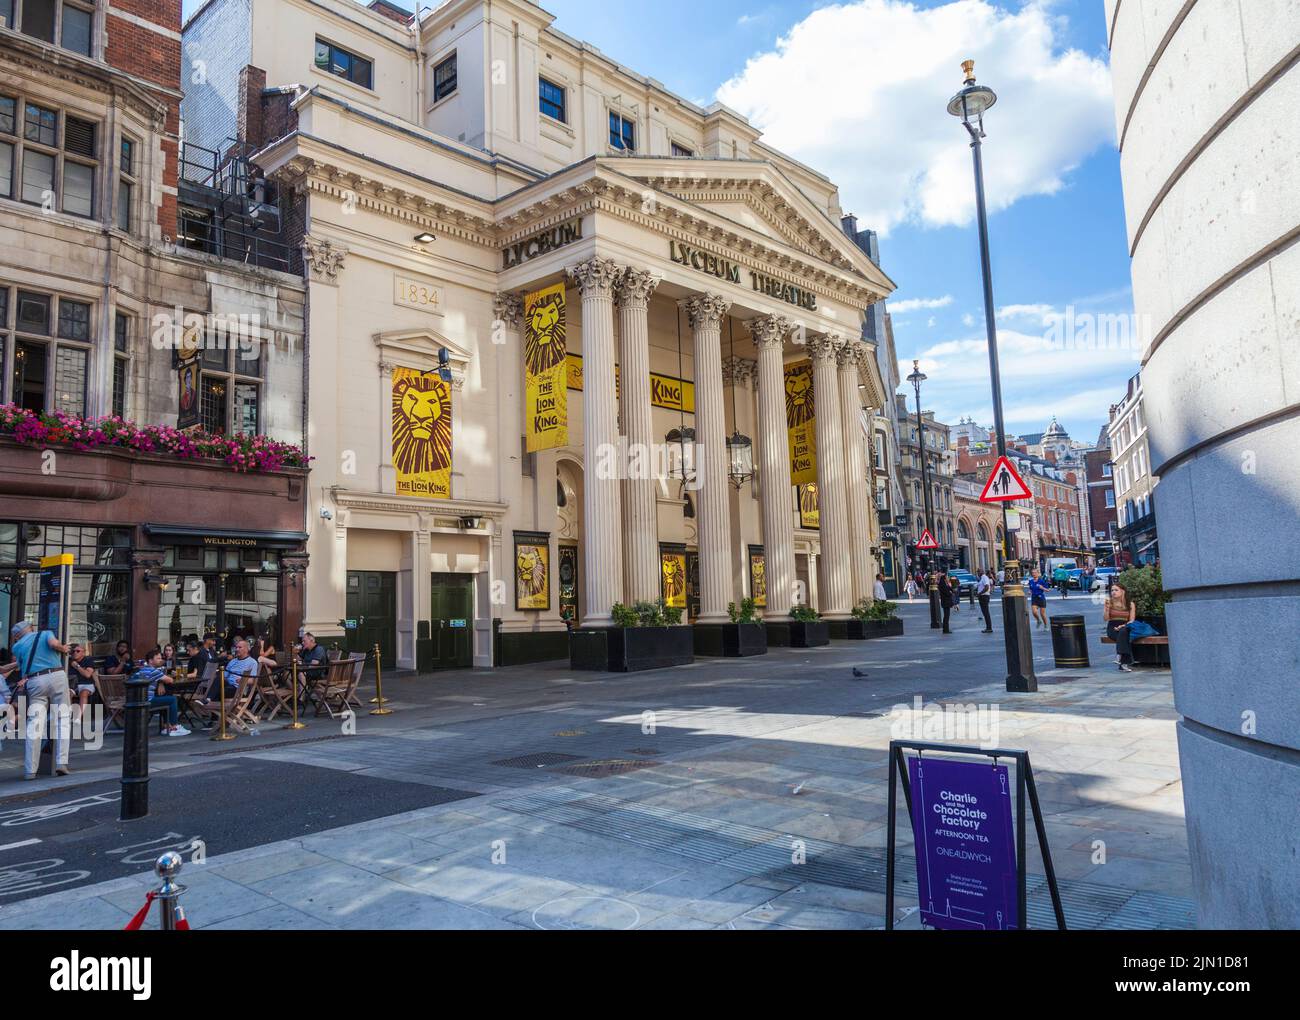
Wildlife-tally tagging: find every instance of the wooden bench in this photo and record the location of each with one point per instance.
(1158, 643)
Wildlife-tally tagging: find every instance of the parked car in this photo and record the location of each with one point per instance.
(967, 582)
(1101, 581)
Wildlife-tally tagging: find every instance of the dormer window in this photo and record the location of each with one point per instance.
(622, 133)
(682, 151)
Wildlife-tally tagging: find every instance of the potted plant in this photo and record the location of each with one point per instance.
(645, 635)
(745, 634)
(807, 628)
(874, 618)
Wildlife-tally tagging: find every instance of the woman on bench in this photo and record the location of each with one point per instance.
(1120, 611)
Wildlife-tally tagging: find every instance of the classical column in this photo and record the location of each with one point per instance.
(835, 554)
(774, 465)
(856, 490)
(602, 557)
(508, 313)
(640, 518)
(712, 502)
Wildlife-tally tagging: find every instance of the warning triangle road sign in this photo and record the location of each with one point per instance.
(1004, 484)
(926, 541)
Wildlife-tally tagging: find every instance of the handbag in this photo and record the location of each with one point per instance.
(1140, 629)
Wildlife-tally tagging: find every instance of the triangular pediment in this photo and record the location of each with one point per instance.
(418, 349)
(761, 201)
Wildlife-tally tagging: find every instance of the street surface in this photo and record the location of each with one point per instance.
(730, 793)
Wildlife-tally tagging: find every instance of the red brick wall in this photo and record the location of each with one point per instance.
(153, 57)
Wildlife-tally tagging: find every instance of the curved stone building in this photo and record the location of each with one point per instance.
(1205, 95)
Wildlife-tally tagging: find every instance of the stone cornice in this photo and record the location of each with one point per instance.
(414, 504)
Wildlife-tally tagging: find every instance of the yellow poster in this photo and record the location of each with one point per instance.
(546, 398)
(673, 567)
(758, 577)
(665, 390)
(421, 433)
(810, 514)
(532, 573)
(801, 422)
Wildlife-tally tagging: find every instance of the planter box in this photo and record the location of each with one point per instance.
(881, 628)
(809, 634)
(628, 649)
(730, 639)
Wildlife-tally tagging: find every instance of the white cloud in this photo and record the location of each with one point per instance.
(1041, 313)
(878, 74)
(968, 320)
(916, 304)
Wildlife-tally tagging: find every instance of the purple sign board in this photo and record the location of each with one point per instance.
(965, 844)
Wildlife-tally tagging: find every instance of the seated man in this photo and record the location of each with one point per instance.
(200, 658)
(153, 671)
(313, 658)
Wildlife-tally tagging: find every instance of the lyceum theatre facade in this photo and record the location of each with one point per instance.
(531, 272)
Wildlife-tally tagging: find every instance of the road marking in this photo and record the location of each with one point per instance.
(15, 846)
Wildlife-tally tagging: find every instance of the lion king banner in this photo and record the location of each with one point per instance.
(421, 433)
(801, 422)
(546, 398)
(672, 569)
(532, 570)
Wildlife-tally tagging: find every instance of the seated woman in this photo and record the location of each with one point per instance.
(266, 652)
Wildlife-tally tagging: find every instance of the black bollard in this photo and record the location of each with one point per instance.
(135, 751)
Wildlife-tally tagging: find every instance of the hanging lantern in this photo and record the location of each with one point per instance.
(740, 459)
(681, 463)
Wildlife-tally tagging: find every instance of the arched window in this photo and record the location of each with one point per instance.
(963, 533)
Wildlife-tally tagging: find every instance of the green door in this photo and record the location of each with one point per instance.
(451, 623)
(372, 614)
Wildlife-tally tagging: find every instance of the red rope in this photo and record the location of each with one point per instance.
(135, 922)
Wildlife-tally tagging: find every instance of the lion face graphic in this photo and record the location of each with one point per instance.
(544, 336)
(531, 568)
(760, 577)
(421, 424)
(674, 578)
(798, 397)
(808, 498)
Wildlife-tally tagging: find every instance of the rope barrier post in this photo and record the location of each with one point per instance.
(379, 689)
(293, 670)
(171, 916)
(135, 751)
(221, 734)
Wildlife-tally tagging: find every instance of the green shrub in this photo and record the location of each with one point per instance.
(746, 612)
(874, 609)
(1145, 589)
(646, 614)
(804, 614)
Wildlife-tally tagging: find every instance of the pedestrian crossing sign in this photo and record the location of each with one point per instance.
(926, 541)
(1004, 484)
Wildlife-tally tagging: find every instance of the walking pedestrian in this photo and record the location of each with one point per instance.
(44, 684)
(878, 593)
(1119, 611)
(946, 599)
(1038, 589)
(985, 591)
(909, 586)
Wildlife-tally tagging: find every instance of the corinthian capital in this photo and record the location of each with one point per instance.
(706, 310)
(825, 347)
(739, 371)
(769, 330)
(508, 307)
(596, 276)
(636, 286)
(854, 354)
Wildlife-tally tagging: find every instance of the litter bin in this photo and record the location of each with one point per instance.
(1069, 641)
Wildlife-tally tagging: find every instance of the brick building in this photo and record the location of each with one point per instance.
(98, 282)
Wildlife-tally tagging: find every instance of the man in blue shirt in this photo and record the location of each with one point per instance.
(44, 684)
(153, 671)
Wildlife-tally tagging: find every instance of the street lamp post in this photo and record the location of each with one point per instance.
(932, 583)
(970, 104)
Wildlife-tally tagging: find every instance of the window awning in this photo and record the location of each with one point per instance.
(217, 538)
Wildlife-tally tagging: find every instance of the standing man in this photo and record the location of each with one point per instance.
(984, 592)
(44, 684)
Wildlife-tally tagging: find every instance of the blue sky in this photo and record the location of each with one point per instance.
(857, 90)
